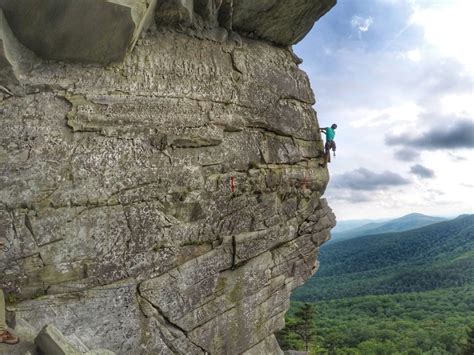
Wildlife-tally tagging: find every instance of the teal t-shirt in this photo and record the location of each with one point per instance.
(330, 134)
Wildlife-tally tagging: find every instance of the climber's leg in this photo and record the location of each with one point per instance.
(3, 324)
(327, 150)
(333, 147)
(5, 336)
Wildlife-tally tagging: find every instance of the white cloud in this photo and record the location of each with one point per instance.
(462, 105)
(362, 24)
(413, 55)
(398, 117)
(448, 26)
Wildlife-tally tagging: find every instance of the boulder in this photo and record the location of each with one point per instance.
(50, 341)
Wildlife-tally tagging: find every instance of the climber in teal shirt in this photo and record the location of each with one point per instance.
(330, 143)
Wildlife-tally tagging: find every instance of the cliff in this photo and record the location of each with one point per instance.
(160, 190)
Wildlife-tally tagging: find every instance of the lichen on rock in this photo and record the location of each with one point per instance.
(168, 202)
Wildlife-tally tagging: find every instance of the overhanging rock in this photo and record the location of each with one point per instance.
(280, 21)
(90, 31)
(101, 31)
(15, 59)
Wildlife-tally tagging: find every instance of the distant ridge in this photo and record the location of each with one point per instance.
(437, 256)
(404, 223)
(347, 225)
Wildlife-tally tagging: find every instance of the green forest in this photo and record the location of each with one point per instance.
(397, 293)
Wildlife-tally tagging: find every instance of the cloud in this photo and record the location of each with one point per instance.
(406, 154)
(438, 77)
(457, 27)
(406, 112)
(459, 135)
(414, 55)
(366, 180)
(362, 24)
(455, 157)
(422, 172)
(350, 196)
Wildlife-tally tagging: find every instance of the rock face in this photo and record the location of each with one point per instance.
(281, 22)
(168, 203)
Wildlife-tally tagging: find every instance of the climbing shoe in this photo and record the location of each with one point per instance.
(8, 338)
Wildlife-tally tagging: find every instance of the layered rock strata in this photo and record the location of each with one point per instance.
(168, 203)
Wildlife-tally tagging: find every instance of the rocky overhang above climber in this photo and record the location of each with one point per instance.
(101, 31)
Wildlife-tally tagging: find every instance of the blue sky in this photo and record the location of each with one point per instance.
(397, 77)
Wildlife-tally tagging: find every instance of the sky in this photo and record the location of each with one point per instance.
(397, 77)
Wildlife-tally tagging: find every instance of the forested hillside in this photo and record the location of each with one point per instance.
(437, 256)
(432, 322)
(397, 293)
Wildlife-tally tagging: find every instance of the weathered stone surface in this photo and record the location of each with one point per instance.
(168, 204)
(279, 21)
(267, 346)
(175, 13)
(105, 317)
(85, 31)
(99, 352)
(100, 31)
(50, 341)
(15, 59)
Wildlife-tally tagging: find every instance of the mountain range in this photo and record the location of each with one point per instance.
(407, 222)
(440, 255)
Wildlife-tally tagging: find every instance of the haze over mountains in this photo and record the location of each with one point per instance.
(351, 229)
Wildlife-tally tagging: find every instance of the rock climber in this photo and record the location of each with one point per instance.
(330, 143)
(5, 336)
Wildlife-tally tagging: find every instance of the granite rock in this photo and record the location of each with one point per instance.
(93, 31)
(165, 204)
(279, 21)
(50, 341)
(100, 31)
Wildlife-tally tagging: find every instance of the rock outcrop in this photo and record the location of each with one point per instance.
(169, 201)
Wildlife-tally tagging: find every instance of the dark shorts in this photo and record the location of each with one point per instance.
(330, 145)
